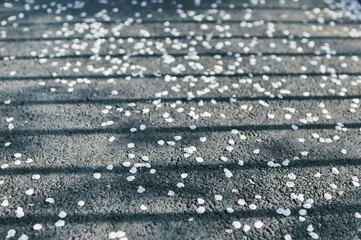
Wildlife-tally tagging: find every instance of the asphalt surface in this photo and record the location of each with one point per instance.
(170, 120)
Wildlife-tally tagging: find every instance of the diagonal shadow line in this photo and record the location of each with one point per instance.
(281, 74)
(271, 8)
(73, 131)
(337, 22)
(194, 7)
(35, 39)
(326, 209)
(118, 169)
(183, 99)
(207, 54)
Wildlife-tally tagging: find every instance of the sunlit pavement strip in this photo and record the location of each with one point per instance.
(180, 119)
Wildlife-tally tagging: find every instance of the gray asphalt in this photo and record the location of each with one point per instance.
(170, 120)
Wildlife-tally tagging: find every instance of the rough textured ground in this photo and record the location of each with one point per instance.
(151, 120)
